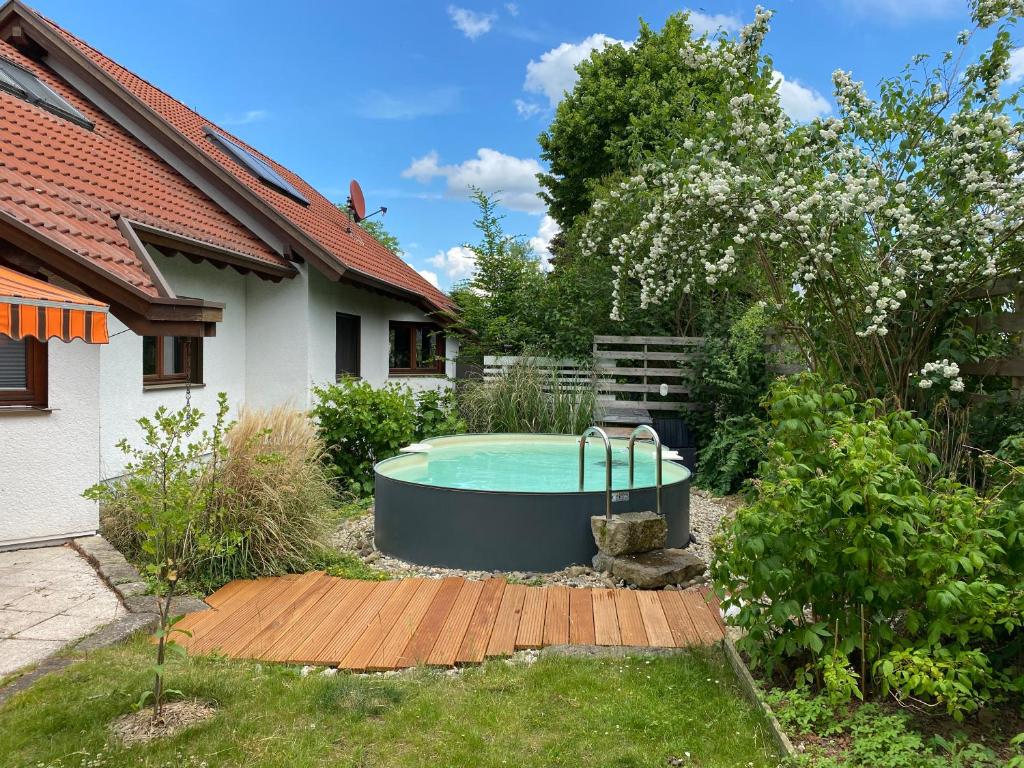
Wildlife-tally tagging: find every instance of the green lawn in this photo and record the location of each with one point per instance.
(577, 713)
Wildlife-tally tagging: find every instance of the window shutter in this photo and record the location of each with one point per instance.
(12, 364)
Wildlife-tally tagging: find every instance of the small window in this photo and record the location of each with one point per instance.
(172, 360)
(257, 167)
(346, 345)
(25, 85)
(22, 372)
(416, 348)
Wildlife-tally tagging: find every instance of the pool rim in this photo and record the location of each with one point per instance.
(400, 456)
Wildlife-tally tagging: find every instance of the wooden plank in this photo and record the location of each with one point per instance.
(581, 617)
(659, 635)
(707, 628)
(627, 354)
(606, 621)
(369, 642)
(495, 361)
(556, 616)
(531, 625)
(610, 369)
(1010, 322)
(995, 366)
(614, 386)
(652, 340)
(389, 655)
(478, 634)
(449, 641)
(217, 598)
(683, 632)
(631, 623)
(303, 627)
(233, 645)
(506, 625)
(240, 616)
(423, 639)
(1001, 287)
(195, 622)
(651, 405)
(327, 625)
(348, 629)
(259, 645)
(714, 605)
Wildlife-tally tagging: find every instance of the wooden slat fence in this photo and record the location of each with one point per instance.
(1010, 321)
(632, 369)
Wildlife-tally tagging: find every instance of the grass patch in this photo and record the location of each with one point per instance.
(558, 712)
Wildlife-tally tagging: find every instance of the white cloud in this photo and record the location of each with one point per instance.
(430, 277)
(800, 102)
(704, 23)
(555, 72)
(1016, 66)
(541, 242)
(471, 23)
(514, 179)
(512, 8)
(379, 105)
(527, 109)
(457, 263)
(251, 116)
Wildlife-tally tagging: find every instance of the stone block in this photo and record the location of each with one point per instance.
(652, 570)
(629, 533)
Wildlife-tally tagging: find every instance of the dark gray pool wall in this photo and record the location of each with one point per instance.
(500, 531)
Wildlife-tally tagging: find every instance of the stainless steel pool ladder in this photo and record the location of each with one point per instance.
(607, 465)
(657, 451)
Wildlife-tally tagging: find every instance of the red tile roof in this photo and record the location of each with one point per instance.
(321, 219)
(69, 183)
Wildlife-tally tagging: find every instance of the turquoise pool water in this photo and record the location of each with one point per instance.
(525, 464)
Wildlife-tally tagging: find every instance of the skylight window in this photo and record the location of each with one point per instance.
(25, 85)
(255, 166)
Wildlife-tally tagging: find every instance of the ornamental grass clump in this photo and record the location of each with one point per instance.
(529, 398)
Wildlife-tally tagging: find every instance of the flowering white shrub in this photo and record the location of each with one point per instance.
(865, 229)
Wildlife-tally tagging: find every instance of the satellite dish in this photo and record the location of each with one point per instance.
(356, 201)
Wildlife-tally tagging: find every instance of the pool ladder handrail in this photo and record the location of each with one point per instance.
(607, 465)
(657, 450)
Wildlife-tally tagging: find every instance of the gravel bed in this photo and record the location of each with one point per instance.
(355, 535)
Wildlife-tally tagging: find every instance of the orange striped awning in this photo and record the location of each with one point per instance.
(30, 307)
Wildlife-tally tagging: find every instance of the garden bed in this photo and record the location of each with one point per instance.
(685, 709)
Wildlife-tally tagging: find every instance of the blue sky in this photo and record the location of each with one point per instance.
(417, 99)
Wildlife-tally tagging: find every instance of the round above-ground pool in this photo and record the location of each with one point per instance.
(512, 502)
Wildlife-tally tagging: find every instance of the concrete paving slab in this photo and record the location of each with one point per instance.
(63, 627)
(9, 593)
(16, 654)
(13, 622)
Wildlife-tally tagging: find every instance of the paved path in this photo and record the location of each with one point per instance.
(49, 597)
(366, 625)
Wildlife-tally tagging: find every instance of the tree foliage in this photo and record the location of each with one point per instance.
(629, 105)
(376, 228)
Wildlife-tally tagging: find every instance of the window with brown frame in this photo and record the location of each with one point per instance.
(172, 360)
(22, 372)
(416, 348)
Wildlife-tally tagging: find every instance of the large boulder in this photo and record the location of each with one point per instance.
(652, 570)
(629, 533)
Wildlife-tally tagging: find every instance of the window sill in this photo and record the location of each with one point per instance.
(19, 409)
(170, 385)
(415, 374)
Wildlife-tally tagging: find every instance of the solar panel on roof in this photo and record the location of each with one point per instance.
(255, 165)
(27, 86)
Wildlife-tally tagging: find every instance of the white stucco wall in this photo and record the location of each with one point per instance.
(48, 458)
(375, 312)
(123, 398)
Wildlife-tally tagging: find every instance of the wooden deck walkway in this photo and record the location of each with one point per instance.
(384, 625)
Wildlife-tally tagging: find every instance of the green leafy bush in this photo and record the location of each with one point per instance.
(732, 378)
(845, 558)
(527, 398)
(361, 425)
(437, 414)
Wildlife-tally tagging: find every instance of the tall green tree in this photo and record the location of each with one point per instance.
(629, 105)
(376, 228)
(501, 304)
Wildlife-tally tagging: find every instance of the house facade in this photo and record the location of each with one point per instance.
(222, 270)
